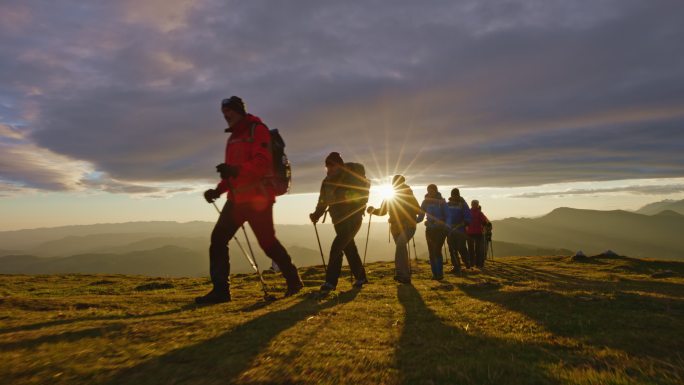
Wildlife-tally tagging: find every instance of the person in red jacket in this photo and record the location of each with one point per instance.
(248, 163)
(475, 232)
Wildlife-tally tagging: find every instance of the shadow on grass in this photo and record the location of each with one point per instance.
(641, 325)
(59, 322)
(69, 336)
(223, 358)
(518, 273)
(432, 352)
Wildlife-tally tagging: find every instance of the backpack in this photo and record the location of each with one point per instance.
(357, 186)
(281, 179)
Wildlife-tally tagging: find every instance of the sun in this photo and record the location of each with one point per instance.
(385, 191)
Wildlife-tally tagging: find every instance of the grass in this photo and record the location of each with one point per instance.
(527, 320)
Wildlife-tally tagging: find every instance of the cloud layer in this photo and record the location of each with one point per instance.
(123, 97)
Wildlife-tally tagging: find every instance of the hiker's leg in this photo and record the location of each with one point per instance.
(336, 250)
(479, 250)
(261, 222)
(439, 241)
(219, 261)
(462, 249)
(453, 247)
(470, 245)
(401, 262)
(351, 251)
(433, 236)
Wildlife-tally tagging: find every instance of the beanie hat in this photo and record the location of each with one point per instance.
(234, 103)
(334, 158)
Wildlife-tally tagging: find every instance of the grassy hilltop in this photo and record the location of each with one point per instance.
(524, 320)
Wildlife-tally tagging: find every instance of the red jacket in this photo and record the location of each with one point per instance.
(479, 219)
(252, 156)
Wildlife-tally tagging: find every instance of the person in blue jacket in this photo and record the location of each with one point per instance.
(458, 217)
(434, 210)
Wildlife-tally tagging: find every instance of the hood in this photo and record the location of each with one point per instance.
(437, 196)
(455, 201)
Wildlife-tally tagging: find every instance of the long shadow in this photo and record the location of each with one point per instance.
(223, 358)
(40, 325)
(518, 273)
(641, 325)
(431, 352)
(69, 336)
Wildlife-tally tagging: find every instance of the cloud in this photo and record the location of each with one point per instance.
(514, 94)
(666, 189)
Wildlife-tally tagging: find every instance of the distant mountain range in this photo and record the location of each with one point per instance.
(666, 205)
(180, 249)
(592, 231)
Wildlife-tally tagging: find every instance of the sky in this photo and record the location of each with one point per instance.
(109, 111)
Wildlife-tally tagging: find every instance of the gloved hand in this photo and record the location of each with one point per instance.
(370, 209)
(211, 195)
(227, 171)
(314, 218)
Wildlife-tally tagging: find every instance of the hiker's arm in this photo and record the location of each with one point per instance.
(422, 214)
(467, 215)
(321, 206)
(381, 211)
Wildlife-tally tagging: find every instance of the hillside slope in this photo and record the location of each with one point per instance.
(522, 321)
(593, 231)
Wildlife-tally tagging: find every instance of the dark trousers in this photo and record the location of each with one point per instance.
(435, 239)
(402, 236)
(344, 244)
(261, 221)
(457, 245)
(476, 249)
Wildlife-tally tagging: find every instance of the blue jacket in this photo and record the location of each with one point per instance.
(435, 208)
(458, 214)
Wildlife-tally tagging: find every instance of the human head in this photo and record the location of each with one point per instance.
(333, 162)
(455, 193)
(432, 189)
(233, 109)
(475, 203)
(398, 180)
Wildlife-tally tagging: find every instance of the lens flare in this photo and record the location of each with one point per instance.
(385, 191)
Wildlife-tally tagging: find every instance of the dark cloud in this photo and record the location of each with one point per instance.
(509, 93)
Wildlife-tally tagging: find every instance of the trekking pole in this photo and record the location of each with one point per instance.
(491, 246)
(320, 248)
(365, 250)
(252, 260)
(415, 253)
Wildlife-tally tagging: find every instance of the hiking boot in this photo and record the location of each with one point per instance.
(326, 288)
(437, 277)
(213, 297)
(404, 280)
(455, 270)
(359, 283)
(294, 288)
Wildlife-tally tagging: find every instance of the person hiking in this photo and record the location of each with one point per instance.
(458, 217)
(248, 161)
(403, 209)
(475, 232)
(344, 194)
(434, 210)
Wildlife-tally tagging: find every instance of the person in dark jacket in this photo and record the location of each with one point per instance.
(475, 232)
(403, 209)
(434, 210)
(248, 161)
(458, 217)
(344, 195)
